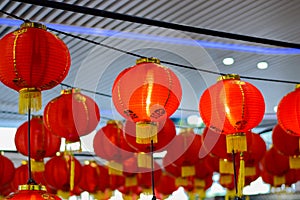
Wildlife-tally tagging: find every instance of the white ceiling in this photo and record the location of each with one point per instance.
(94, 67)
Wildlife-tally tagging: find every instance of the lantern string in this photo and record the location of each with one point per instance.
(30, 179)
(152, 171)
(142, 56)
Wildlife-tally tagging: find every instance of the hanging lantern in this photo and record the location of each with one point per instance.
(164, 136)
(32, 60)
(7, 170)
(154, 96)
(32, 192)
(288, 114)
(42, 142)
(71, 115)
(166, 185)
(109, 143)
(232, 107)
(183, 151)
(63, 172)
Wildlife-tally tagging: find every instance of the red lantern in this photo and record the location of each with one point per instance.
(154, 96)
(288, 112)
(42, 142)
(7, 170)
(232, 107)
(36, 192)
(275, 163)
(32, 60)
(184, 149)
(94, 178)
(63, 172)
(71, 115)
(166, 184)
(284, 142)
(164, 136)
(109, 143)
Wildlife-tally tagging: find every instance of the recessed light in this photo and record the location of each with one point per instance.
(262, 65)
(275, 108)
(228, 61)
(194, 120)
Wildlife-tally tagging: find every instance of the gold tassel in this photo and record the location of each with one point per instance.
(99, 195)
(236, 142)
(29, 98)
(72, 173)
(181, 181)
(225, 166)
(230, 194)
(278, 180)
(199, 183)
(241, 177)
(130, 181)
(115, 168)
(37, 166)
(225, 179)
(144, 160)
(294, 162)
(188, 171)
(63, 194)
(250, 171)
(145, 132)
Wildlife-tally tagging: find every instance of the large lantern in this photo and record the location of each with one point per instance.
(232, 107)
(31, 60)
(146, 93)
(71, 115)
(288, 112)
(42, 142)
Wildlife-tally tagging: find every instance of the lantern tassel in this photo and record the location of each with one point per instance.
(241, 178)
(29, 98)
(146, 132)
(72, 173)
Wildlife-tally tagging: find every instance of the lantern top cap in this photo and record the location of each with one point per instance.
(297, 86)
(70, 91)
(32, 187)
(29, 24)
(148, 60)
(229, 76)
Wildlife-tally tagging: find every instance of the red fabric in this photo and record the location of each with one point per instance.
(288, 114)
(231, 106)
(58, 171)
(43, 143)
(287, 144)
(142, 83)
(166, 133)
(166, 184)
(41, 61)
(71, 115)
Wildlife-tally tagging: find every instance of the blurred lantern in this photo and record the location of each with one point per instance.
(232, 107)
(109, 143)
(165, 135)
(32, 60)
(7, 170)
(71, 115)
(6, 189)
(152, 97)
(31, 192)
(166, 185)
(288, 114)
(183, 151)
(42, 142)
(275, 163)
(93, 178)
(288, 145)
(63, 172)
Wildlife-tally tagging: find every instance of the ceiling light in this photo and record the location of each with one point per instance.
(275, 108)
(194, 120)
(228, 61)
(262, 65)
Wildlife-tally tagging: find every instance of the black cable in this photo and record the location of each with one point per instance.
(30, 178)
(168, 25)
(152, 171)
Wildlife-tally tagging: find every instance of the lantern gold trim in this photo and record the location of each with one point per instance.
(228, 77)
(148, 60)
(32, 187)
(29, 24)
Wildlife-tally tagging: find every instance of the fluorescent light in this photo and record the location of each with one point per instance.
(228, 61)
(262, 65)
